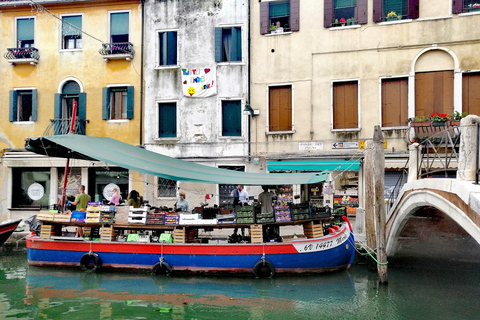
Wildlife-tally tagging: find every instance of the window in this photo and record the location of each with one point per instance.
(23, 105)
(167, 120)
(64, 105)
(433, 92)
(71, 32)
(460, 6)
(119, 26)
(25, 32)
(30, 187)
(352, 11)
(470, 93)
(284, 14)
(231, 118)
(167, 48)
(398, 9)
(99, 178)
(228, 44)
(166, 188)
(117, 103)
(280, 108)
(394, 102)
(345, 105)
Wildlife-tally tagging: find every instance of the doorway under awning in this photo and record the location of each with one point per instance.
(313, 165)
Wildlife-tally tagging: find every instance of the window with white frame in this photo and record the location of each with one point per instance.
(72, 32)
(167, 120)
(118, 102)
(167, 48)
(228, 44)
(345, 105)
(280, 108)
(25, 32)
(231, 118)
(119, 27)
(23, 105)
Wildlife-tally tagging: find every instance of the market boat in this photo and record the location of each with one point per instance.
(331, 252)
(325, 246)
(6, 230)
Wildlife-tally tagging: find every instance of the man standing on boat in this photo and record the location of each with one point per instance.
(240, 196)
(81, 200)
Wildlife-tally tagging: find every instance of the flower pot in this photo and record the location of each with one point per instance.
(439, 123)
(455, 123)
(420, 124)
(392, 18)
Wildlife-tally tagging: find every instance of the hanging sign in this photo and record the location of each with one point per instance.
(199, 82)
(35, 191)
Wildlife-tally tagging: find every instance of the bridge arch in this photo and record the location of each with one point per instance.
(413, 200)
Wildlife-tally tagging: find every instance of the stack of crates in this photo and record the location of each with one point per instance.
(156, 217)
(93, 214)
(171, 218)
(108, 234)
(47, 231)
(137, 215)
(300, 211)
(179, 235)
(312, 230)
(256, 233)
(107, 214)
(282, 213)
(192, 235)
(245, 215)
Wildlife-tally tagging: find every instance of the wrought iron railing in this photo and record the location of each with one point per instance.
(62, 126)
(22, 53)
(124, 48)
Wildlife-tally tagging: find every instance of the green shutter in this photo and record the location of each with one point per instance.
(105, 103)
(231, 118)
(130, 102)
(172, 48)
(82, 106)
(167, 121)
(57, 111)
(236, 45)
(218, 44)
(34, 105)
(13, 105)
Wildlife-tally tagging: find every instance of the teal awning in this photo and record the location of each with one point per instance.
(138, 159)
(313, 165)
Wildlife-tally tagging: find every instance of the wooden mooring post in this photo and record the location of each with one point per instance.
(375, 214)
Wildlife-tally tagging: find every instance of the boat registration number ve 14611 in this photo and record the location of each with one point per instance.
(320, 245)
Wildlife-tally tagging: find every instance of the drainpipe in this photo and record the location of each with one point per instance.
(248, 86)
(141, 72)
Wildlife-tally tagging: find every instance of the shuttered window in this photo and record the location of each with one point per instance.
(167, 48)
(167, 120)
(231, 118)
(461, 6)
(394, 102)
(119, 26)
(23, 105)
(433, 93)
(352, 11)
(117, 103)
(228, 44)
(283, 13)
(345, 105)
(280, 108)
(471, 93)
(25, 32)
(72, 32)
(402, 9)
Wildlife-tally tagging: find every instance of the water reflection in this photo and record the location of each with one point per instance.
(413, 292)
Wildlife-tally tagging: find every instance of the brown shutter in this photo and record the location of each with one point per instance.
(377, 10)
(295, 15)
(433, 93)
(457, 6)
(280, 108)
(345, 105)
(413, 11)
(327, 13)
(394, 102)
(264, 18)
(361, 12)
(471, 93)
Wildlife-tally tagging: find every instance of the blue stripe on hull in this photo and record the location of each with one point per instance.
(335, 257)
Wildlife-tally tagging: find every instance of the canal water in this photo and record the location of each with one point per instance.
(417, 289)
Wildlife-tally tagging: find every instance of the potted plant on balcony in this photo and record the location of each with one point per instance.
(473, 7)
(439, 119)
(392, 15)
(455, 118)
(419, 121)
(350, 21)
(342, 22)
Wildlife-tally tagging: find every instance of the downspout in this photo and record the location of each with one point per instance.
(248, 86)
(141, 72)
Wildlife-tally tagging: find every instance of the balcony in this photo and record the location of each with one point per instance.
(62, 126)
(22, 56)
(117, 51)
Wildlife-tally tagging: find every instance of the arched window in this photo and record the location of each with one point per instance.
(64, 105)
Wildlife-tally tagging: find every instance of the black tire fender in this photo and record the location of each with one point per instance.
(161, 268)
(91, 261)
(264, 269)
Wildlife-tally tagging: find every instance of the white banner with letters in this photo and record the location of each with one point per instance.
(199, 82)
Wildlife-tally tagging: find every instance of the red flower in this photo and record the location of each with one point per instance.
(342, 20)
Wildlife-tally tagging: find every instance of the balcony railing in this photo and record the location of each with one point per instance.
(62, 126)
(111, 51)
(22, 55)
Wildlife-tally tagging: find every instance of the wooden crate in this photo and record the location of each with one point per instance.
(311, 230)
(192, 235)
(108, 234)
(63, 217)
(256, 233)
(179, 235)
(121, 215)
(44, 215)
(87, 230)
(47, 231)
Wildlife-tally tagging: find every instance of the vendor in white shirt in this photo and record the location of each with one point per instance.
(240, 196)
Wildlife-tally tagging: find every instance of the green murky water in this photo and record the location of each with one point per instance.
(417, 290)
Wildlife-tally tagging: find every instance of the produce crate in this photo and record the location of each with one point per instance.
(312, 230)
(47, 231)
(171, 218)
(63, 217)
(265, 220)
(179, 235)
(256, 233)
(45, 216)
(108, 234)
(243, 214)
(192, 235)
(246, 220)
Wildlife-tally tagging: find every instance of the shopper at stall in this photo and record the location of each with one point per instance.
(182, 203)
(265, 200)
(116, 197)
(133, 199)
(240, 196)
